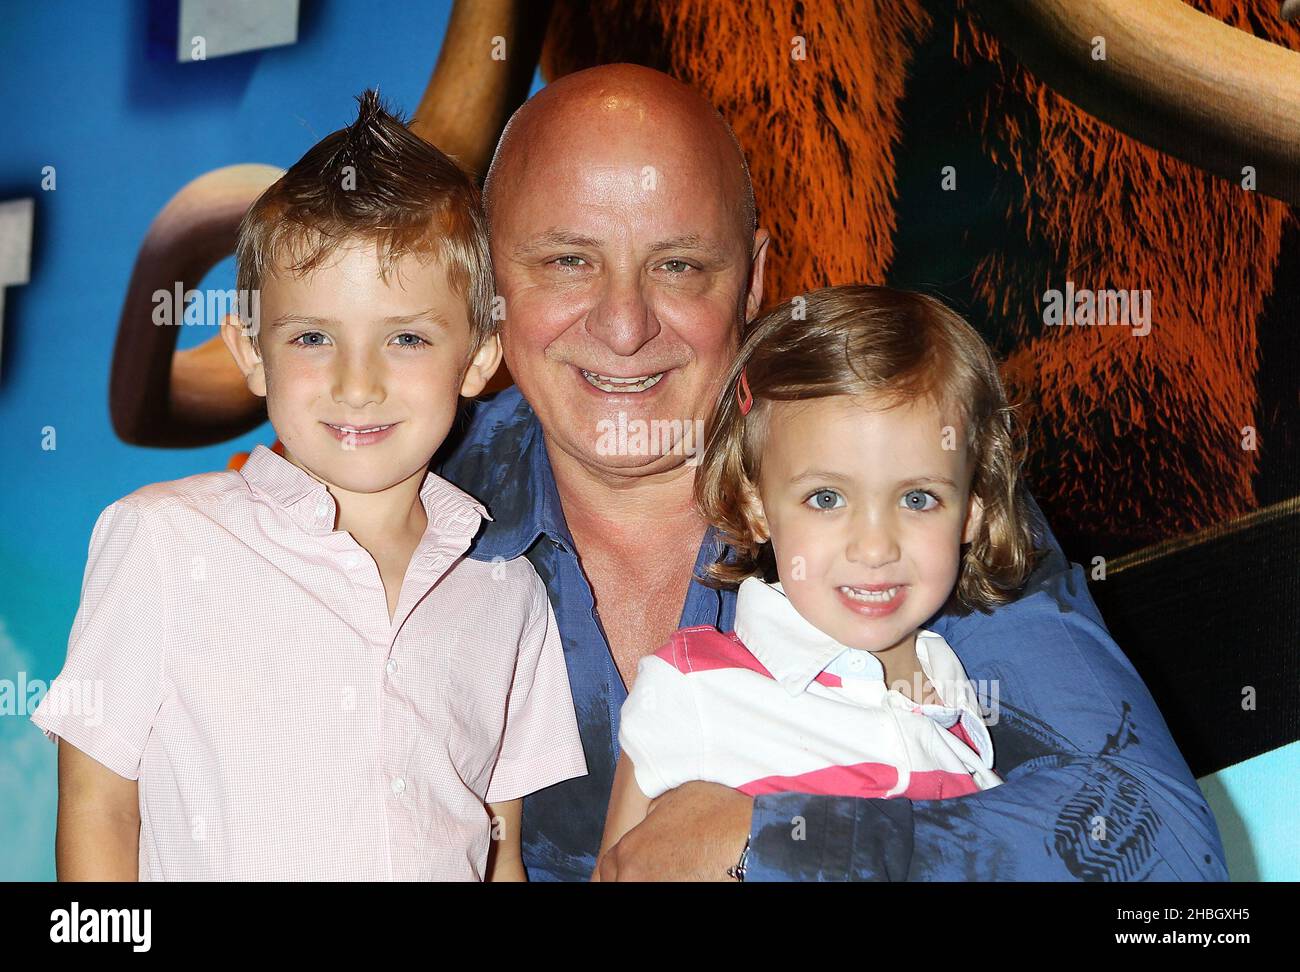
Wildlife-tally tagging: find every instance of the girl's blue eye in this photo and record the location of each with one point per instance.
(915, 500)
(824, 499)
(418, 340)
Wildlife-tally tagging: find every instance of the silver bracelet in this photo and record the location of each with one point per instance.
(737, 871)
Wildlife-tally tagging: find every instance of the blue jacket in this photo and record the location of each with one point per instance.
(1095, 788)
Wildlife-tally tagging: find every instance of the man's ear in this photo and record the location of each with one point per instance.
(974, 519)
(753, 511)
(240, 345)
(486, 361)
(757, 265)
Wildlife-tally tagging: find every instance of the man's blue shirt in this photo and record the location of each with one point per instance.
(1095, 788)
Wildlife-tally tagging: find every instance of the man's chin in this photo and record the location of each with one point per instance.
(615, 456)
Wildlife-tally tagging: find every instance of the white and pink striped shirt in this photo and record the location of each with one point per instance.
(234, 653)
(776, 705)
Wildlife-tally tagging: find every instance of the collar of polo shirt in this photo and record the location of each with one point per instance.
(796, 651)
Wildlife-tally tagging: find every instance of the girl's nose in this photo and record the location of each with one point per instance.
(872, 544)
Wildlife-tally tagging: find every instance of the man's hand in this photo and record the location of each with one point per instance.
(692, 833)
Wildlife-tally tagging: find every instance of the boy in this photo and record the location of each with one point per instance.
(302, 676)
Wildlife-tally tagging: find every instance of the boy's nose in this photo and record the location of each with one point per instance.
(358, 382)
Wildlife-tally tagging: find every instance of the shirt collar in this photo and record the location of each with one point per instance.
(502, 459)
(308, 501)
(795, 651)
(790, 647)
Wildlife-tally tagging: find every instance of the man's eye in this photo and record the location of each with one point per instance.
(418, 342)
(824, 499)
(569, 260)
(676, 266)
(301, 340)
(915, 499)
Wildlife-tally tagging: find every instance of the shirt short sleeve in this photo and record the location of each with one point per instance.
(105, 700)
(541, 745)
(659, 727)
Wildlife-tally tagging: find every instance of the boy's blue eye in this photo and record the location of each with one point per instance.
(824, 499)
(915, 500)
(307, 340)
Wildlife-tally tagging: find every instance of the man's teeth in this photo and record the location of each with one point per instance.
(606, 383)
(871, 597)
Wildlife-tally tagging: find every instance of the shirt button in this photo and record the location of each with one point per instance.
(321, 509)
(399, 786)
(351, 561)
(857, 663)
(390, 667)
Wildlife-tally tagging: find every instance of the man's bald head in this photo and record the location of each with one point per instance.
(617, 104)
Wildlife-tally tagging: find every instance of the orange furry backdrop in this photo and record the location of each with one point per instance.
(1131, 438)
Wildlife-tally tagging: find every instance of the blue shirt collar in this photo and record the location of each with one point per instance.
(501, 460)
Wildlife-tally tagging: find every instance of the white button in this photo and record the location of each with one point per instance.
(857, 663)
(390, 667)
(351, 561)
(399, 786)
(322, 509)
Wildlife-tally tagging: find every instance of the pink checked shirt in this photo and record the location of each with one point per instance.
(234, 653)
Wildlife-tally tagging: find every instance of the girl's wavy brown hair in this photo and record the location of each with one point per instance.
(901, 346)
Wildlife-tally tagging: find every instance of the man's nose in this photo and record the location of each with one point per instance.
(622, 319)
(873, 542)
(359, 379)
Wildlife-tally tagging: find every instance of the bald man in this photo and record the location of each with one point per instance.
(626, 250)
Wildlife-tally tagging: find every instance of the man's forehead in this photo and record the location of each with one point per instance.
(599, 202)
(628, 173)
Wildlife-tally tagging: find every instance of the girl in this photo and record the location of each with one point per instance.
(861, 468)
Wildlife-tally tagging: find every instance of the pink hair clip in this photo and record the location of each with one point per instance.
(744, 396)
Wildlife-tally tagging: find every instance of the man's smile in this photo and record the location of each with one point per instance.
(610, 383)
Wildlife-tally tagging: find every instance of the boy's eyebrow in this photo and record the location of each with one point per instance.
(430, 316)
